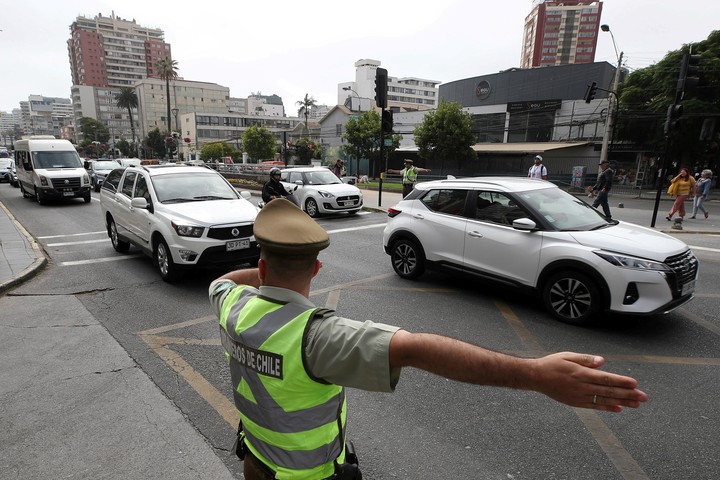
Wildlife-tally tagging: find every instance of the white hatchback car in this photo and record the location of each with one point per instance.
(529, 233)
(180, 216)
(320, 192)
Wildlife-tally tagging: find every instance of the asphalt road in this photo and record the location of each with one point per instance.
(430, 427)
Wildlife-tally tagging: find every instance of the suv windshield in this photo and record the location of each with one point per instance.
(57, 160)
(193, 187)
(562, 210)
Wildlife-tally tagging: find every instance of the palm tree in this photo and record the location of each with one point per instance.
(127, 98)
(167, 69)
(305, 105)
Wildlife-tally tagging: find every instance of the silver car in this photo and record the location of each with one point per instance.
(319, 191)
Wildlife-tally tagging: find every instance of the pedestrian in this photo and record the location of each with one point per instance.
(681, 187)
(702, 190)
(409, 175)
(538, 171)
(603, 187)
(290, 361)
(338, 168)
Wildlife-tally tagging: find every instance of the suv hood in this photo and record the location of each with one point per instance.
(213, 212)
(632, 239)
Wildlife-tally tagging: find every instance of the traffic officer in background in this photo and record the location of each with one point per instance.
(409, 175)
(290, 361)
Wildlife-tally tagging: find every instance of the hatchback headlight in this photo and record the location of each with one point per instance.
(325, 194)
(188, 230)
(637, 263)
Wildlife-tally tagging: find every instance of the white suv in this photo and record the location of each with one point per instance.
(319, 191)
(180, 216)
(530, 233)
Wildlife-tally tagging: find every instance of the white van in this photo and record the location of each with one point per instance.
(48, 168)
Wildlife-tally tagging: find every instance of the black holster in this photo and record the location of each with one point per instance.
(350, 470)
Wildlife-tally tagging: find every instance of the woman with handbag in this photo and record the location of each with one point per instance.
(681, 187)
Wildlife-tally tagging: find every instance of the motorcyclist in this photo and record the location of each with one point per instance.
(274, 189)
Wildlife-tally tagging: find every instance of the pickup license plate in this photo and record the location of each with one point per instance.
(688, 288)
(237, 244)
(68, 194)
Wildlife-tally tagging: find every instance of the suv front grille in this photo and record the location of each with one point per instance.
(70, 182)
(226, 233)
(684, 267)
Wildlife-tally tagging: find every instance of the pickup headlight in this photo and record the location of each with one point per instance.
(637, 263)
(325, 194)
(188, 230)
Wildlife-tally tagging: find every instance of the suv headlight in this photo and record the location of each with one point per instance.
(627, 261)
(188, 230)
(325, 194)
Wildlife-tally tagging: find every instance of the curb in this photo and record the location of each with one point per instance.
(38, 264)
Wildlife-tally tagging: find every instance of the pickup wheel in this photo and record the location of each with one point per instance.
(163, 259)
(119, 245)
(572, 297)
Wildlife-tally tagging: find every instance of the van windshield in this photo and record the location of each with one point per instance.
(57, 160)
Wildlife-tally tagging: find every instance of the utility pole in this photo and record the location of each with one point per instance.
(612, 111)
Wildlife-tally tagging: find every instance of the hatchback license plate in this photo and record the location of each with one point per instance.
(688, 288)
(237, 244)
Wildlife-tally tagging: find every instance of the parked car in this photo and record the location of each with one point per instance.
(532, 234)
(13, 175)
(98, 170)
(182, 217)
(321, 192)
(5, 168)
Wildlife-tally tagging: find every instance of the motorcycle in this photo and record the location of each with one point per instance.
(290, 196)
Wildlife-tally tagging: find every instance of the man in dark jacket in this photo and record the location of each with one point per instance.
(273, 188)
(603, 186)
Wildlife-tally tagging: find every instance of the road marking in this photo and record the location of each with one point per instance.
(64, 244)
(96, 260)
(74, 234)
(527, 338)
(353, 229)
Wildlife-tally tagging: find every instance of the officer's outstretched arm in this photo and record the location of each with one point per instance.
(570, 378)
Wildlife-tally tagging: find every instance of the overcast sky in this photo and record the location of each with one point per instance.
(290, 48)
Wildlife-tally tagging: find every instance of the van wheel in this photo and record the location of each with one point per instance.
(163, 259)
(22, 190)
(39, 197)
(87, 198)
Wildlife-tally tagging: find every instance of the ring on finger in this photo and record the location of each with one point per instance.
(594, 399)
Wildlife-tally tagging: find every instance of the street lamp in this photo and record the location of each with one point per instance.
(612, 99)
(349, 89)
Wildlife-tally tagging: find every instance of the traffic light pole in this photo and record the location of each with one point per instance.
(379, 162)
(609, 124)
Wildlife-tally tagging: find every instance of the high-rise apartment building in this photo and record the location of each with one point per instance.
(113, 52)
(560, 33)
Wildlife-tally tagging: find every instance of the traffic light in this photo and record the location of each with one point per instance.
(381, 87)
(672, 123)
(590, 92)
(689, 71)
(387, 121)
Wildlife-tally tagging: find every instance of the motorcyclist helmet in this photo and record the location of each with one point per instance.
(274, 171)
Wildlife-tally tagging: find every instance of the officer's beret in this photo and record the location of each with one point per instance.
(407, 160)
(282, 227)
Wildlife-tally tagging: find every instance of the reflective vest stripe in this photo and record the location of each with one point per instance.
(299, 436)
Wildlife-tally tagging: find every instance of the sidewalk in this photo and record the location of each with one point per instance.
(75, 405)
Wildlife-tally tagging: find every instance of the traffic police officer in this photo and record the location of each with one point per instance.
(291, 361)
(409, 175)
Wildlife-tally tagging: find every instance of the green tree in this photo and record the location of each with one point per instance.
(93, 131)
(446, 134)
(306, 104)
(125, 148)
(362, 135)
(306, 149)
(646, 94)
(217, 150)
(154, 144)
(167, 69)
(127, 99)
(259, 143)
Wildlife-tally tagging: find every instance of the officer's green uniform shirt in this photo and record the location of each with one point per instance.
(338, 350)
